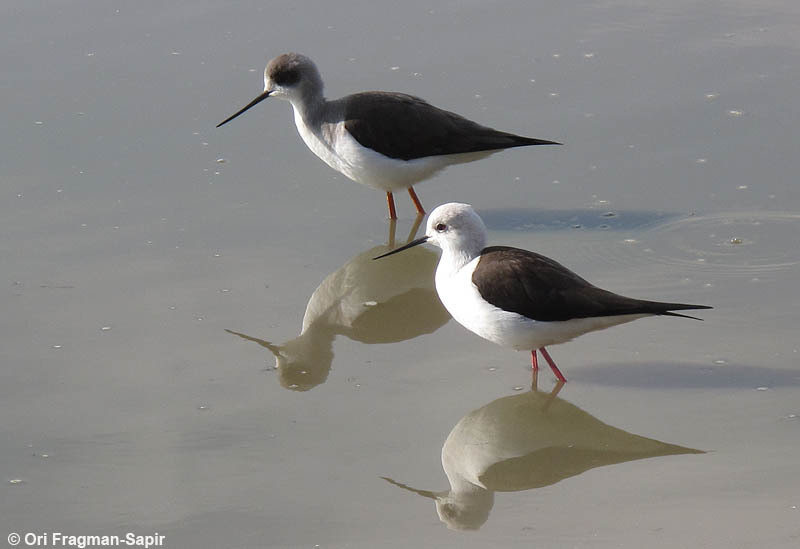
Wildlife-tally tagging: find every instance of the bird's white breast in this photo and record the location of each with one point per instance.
(463, 301)
(319, 144)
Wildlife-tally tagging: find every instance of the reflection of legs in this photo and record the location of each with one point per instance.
(415, 200)
(412, 234)
(390, 203)
(392, 230)
(552, 396)
(552, 364)
(535, 381)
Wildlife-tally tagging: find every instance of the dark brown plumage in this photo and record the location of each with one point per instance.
(542, 289)
(406, 127)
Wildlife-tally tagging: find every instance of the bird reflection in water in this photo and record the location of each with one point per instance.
(523, 442)
(364, 300)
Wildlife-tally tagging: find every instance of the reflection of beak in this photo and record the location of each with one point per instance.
(253, 103)
(275, 349)
(411, 244)
(423, 493)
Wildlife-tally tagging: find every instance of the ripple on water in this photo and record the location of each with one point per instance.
(732, 244)
(723, 244)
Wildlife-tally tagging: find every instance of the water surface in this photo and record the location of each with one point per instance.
(156, 269)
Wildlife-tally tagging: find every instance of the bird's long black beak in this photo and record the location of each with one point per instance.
(252, 103)
(411, 244)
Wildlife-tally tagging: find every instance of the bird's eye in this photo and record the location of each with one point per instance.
(440, 227)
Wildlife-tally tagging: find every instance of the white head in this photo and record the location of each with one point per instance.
(289, 76)
(457, 230)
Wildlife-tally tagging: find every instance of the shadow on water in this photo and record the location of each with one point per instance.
(364, 300)
(531, 219)
(523, 442)
(661, 375)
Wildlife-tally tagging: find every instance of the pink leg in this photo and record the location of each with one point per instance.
(390, 202)
(552, 364)
(534, 361)
(415, 200)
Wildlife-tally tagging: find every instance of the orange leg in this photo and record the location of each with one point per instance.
(534, 361)
(415, 200)
(390, 202)
(552, 364)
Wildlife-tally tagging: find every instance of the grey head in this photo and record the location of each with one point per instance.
(290, 76)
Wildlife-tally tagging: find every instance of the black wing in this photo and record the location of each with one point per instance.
(540, 288)
(407, 127)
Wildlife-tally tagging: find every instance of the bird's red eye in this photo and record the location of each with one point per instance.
(441, 227)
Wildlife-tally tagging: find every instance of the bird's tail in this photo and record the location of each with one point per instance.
(670, 307)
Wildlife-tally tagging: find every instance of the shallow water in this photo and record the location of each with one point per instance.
(153, 268)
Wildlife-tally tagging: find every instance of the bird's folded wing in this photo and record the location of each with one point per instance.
(542, 289)
(406, 127)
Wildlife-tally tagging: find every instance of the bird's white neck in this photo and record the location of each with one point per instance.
(455, 255)
(308, 104)
(453, 261)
